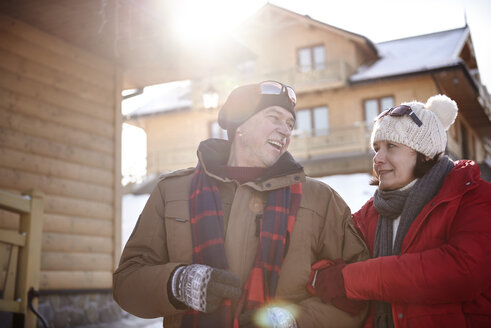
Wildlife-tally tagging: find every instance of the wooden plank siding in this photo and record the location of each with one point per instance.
(60, 132)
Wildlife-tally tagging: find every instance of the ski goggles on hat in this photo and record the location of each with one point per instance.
(277, 88)
(400, 110)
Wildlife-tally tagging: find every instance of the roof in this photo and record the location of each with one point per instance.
(415, 54)
(360, 39)
(159, 98)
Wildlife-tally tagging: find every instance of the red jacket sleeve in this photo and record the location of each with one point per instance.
(459, 270)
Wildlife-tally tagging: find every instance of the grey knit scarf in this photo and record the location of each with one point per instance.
(407, 204)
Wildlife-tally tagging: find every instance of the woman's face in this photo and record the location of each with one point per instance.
(394, 164)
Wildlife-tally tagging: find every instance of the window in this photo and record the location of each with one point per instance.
(217, 132)
(373, 107)
(319, 58)
(311, 58)
(386, 103)
(313, 122)
(321, 121)
(304, 122)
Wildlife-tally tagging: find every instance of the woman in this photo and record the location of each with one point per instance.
(428, 228)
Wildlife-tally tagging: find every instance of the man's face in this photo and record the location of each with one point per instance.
(263, 138)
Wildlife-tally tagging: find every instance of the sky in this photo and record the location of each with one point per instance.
(382, 20)
(377, 20)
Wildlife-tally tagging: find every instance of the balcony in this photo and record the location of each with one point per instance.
(334, 74)
(342, 150)
(340, 140)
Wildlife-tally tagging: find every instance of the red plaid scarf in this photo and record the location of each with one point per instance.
(208, 246)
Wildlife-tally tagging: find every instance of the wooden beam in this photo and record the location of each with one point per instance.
(64, 243)
(9, 290)
(52, 131)
(77, 225)
(73, 154)
(44, 40)
(30, 258)
(12, 237)
(25, 86)
(16, 179)
(53, 52)
(14, 203)
(58, 261)
(60, 280)
(33, 107)
(10, 306)
(78, 207)
(51, 167)
(52, 77)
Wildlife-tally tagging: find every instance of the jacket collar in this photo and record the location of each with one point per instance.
(459, 180)
(463, 177)
(213, 155)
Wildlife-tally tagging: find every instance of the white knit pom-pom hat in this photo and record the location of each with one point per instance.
(437, 115)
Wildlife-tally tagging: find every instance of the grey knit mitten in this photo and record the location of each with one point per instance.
(202, 287)
(281, 318)
(269, 316)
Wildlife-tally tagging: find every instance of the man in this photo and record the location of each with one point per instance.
(231, 243)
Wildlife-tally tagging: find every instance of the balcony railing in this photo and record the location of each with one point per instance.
(339, 142)
(334, 74)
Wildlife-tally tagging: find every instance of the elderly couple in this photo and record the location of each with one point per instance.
(245, 239)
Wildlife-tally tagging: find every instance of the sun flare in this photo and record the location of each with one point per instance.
(206, 21)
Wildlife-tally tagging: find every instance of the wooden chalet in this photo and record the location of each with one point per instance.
(342, 81)
(63, 67)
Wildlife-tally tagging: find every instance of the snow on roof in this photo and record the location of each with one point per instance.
(159, 98)
(415, 54)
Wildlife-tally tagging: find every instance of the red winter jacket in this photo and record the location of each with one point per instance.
(443, 276)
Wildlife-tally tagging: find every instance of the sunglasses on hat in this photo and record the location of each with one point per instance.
(277, 88)
(400, 110)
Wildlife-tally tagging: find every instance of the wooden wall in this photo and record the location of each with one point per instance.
(60, 132)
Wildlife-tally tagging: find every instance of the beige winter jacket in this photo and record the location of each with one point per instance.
(161, 241)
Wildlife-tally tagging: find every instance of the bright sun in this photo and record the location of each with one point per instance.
(208, 20)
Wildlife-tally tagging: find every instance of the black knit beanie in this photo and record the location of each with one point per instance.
(245, 101)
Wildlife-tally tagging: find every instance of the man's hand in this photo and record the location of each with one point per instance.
(268, 317)
(202, 287)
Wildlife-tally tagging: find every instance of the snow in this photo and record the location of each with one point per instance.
(159, 98)
(415, 54)
(353, 188)
(132, 206)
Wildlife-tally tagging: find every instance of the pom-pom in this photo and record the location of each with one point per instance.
(445, 109)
